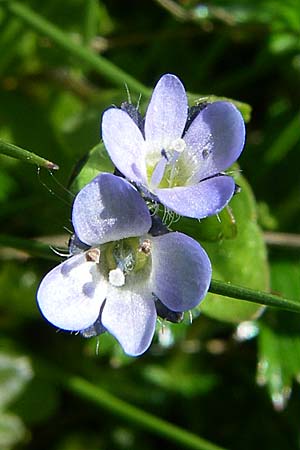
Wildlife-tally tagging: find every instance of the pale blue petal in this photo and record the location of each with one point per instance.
(70, 296)
(108, 209)
(125, 144)
(167, 112)
(214, 140)
(181, 271)
(200, 200)
(130, 316)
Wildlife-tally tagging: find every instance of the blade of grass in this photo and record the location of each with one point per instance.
(120, 408)
(97, 62)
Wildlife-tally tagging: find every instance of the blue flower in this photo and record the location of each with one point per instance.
(177, 154)
(124, 271)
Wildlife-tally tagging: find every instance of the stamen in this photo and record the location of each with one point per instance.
(145, 247)
(93, 255)
(116, 277)
(158, 172)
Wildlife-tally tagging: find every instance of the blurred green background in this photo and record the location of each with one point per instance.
(234, 384)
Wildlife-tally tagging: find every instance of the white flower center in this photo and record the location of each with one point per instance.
(116, 277)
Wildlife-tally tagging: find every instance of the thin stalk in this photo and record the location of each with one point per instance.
(42, 250)
(251, 295)
(286, 240)
(136, 416)
(120, 408)
(62, 40)
(90, 21)
(20, 153)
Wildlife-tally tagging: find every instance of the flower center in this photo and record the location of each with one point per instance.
(167, 168)
(126, 257)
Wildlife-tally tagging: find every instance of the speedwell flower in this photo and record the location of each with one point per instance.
(175, 154)
(115, 283)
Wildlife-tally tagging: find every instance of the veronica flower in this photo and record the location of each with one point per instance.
(124, 272)
(177, 154)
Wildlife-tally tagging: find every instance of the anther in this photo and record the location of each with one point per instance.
(93, 255)
(145, 247)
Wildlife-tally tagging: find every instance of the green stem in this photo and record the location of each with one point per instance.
(130, 413)
(120, 408)
(33, 248)
(42, 250)
(251, 295)
(29, 157)
(61, 39)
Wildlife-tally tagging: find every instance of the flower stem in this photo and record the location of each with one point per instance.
(251, 295)
(19, 153)
(137, 416)
(61, 39)
(109, 402)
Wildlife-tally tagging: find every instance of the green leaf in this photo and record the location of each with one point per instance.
(186, 383)
(15, 372)
(12, 431)
(241, 260)
(214, 228)
(95, 162)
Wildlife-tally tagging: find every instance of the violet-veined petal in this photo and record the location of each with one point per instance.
(167, 112)
(214, 140)
(125, 144)
(181, 271)
(130, 316)
(200, 200)
(70, 296)
(108, 209)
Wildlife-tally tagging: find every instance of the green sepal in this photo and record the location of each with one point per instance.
(244, 108)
